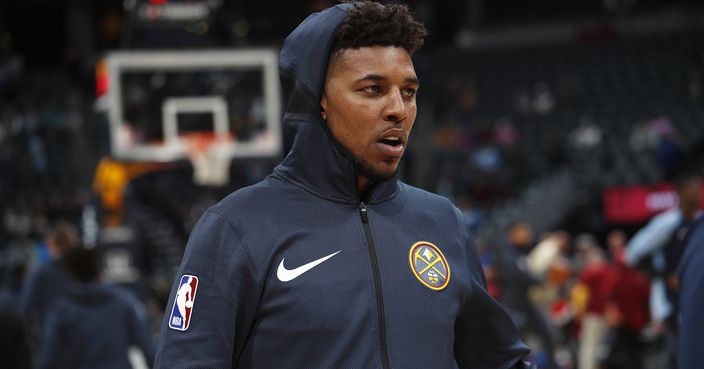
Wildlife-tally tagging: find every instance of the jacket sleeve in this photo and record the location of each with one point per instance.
(485, 336)
(653, 237)
(224, 301)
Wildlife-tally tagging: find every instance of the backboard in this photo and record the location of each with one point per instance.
(156, 98)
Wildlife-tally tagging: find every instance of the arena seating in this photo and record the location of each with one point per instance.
(616, 86)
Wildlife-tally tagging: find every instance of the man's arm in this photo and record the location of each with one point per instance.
(224, 302)
(653, 236)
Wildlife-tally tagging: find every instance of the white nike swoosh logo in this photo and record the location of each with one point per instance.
(285, 275)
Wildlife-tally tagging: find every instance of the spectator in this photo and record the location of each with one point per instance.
(94, 325)
(487, 158)
(587, 135)
(616, 242)
(670, 150)
(599, 279)
(627, 312)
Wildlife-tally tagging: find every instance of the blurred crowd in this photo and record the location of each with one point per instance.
(585, 304)
(532, 111)
(51, 297)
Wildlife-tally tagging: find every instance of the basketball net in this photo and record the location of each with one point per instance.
(210, 166)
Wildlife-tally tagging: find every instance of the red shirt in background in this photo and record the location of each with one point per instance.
(600, 279)
(631, 295)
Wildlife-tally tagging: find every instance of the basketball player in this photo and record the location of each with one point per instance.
(331, 261)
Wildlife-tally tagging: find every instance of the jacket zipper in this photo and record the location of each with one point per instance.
(377, 286)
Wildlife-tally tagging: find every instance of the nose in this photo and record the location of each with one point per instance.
(395, 110)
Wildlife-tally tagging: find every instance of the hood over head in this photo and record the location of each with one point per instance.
(317, 161)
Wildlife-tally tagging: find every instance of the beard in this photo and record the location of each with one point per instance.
(366, 170)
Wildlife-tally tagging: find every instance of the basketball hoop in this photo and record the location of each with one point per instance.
(211, 167)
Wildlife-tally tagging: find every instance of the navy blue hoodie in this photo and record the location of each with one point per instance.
(298, 272)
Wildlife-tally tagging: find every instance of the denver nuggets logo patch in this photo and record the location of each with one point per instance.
(429, 265)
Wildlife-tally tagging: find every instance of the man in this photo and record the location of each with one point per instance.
(516, 283)
(94, 325)
(599, 278)
(331, 262)
(662, 239)
(691, 276)
(627, 311)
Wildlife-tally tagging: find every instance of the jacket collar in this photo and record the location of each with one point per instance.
(319, 165)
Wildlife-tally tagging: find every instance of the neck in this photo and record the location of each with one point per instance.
(362, 186)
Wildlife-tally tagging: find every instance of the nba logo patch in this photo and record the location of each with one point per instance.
(183, 304)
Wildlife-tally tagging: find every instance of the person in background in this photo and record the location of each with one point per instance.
(49, 282)
(598, 279)
(616, 242)
(662, 241)
(627, 311)
(95, 325)
(515, 283)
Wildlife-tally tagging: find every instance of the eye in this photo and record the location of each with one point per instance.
(371, 90)
(409, 92)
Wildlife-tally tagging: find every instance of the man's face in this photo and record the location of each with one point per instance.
(369, 103)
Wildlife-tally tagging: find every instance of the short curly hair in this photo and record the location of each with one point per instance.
(372, 24)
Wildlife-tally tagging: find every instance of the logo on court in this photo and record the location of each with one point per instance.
(182, 310)
(429, 265)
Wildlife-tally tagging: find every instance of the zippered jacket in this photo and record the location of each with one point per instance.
(298, 271)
